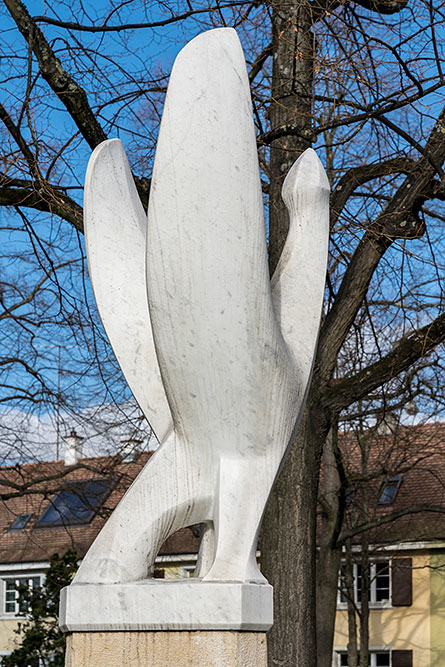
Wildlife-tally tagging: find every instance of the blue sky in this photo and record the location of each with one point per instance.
(131, 63)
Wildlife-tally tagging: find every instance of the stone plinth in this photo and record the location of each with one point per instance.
(177, 623)
(156, 604)
(167, 649)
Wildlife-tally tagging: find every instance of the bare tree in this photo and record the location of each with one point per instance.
(390, 488)
(358, 80)
(367, 97)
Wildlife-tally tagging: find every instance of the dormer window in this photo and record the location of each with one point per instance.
(350, 494)
(19, 523)
(389, 490)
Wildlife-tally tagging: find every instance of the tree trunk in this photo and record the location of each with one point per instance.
(352, 609)
(329, 553)
(364, 611)
(288, 547)
(288, 536)
(291, 102)
(328, 566)
(364, 560)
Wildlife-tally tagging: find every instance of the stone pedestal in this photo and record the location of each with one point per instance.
(163, 623)
(167, 649)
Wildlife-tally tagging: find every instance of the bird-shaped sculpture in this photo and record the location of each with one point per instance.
(217, 355)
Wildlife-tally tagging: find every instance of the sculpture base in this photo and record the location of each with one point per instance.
(167, 649)
(155, 604)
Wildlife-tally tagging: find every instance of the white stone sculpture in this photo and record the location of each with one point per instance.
(217, 355)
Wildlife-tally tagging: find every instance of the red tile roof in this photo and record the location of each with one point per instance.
(417, 453)
(29, 489)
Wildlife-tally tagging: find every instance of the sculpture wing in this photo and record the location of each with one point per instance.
(115, 231)
(208, 281)
(298, 281)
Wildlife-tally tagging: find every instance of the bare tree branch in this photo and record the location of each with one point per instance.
(45, 199)
(397, 220)
(67, 90)
(389, 518)
(362, 174)
(70, 25)
(408, 351)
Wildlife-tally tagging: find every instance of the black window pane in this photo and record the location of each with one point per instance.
(382, 568)
(76, 504)
(382, 582)
(20, 522)
(350, 493)
(377, 659)
(359, 584)
(13, 603)
(342, 582)
(389, 491)
(382, 594)
(10, 596)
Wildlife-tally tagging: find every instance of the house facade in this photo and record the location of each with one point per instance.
(49, 507)
(407, 607)
(397, 488)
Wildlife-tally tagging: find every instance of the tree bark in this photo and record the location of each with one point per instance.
(329, 553)
(352, 610)
(288, 537)
(291, 102)
(65, 87)
(365, 564)
(328, 566)
(364, 608)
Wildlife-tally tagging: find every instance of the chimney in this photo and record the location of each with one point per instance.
(131, 448)
(388, 425)
(73, 448)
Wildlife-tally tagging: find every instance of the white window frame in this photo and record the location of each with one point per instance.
(373, 602)
(17, 576)
(373, 650)
(187, 571)
(4, 654)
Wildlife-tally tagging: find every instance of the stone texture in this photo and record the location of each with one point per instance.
(219, 358)
(167, 649)
(156, 604)
(218, 355)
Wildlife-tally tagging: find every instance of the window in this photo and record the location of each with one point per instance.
(159, 574)
(76, 504)
(32, 663)
(389, 490)
(382, 582)
(379, 583)
(11, 594)
(376, 659)
(350, 494)
(19, 523)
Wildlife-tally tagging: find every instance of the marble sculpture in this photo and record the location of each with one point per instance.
(217, 355)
